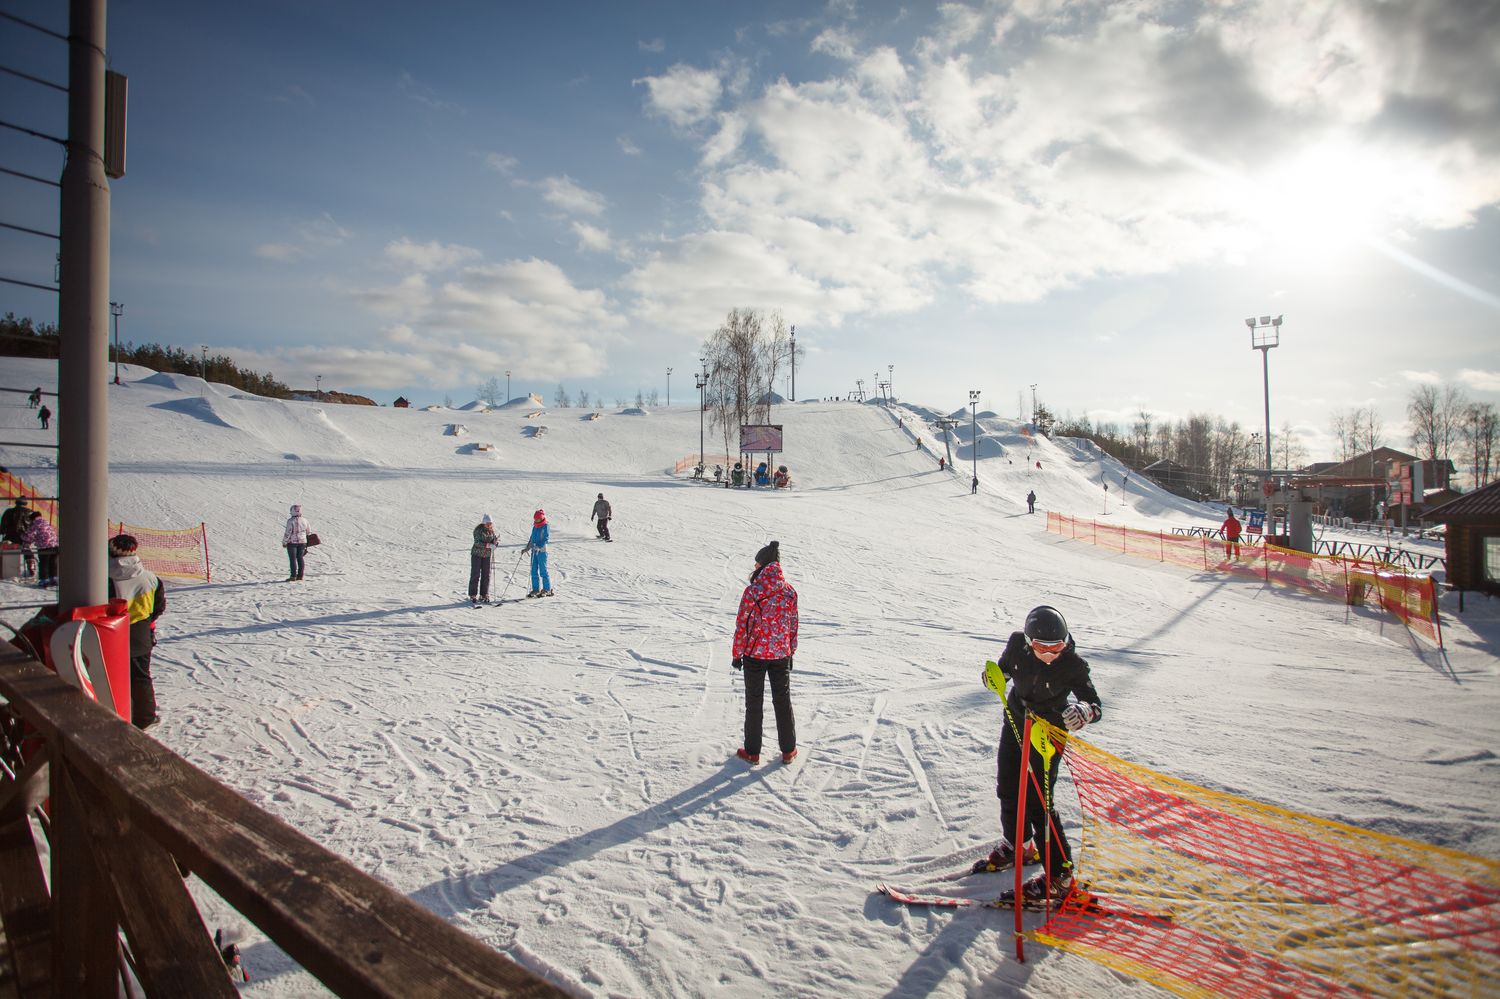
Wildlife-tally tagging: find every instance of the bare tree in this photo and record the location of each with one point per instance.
(583, 398)
(1478, 430)
(1141, 428)
(1422, 413)
(1338, 424)
(653, 399)
(560, 398)
(489, 392)
(1290, 451)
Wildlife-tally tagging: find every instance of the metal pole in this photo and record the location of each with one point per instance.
(507, 386)
(794, 364)
(83, 354)
(1265, 369)
(115, 308)
(669, 388)
(890, 380)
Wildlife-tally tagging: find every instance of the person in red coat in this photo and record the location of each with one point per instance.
(1231, 529)
(765, 639)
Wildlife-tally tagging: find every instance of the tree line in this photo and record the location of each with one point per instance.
(23, 338)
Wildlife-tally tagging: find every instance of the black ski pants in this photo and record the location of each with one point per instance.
(1007, 788)
(604, 528)
(781, 703)
(479, 576)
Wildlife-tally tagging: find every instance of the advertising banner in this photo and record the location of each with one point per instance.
(760, 437)
(1257, 524)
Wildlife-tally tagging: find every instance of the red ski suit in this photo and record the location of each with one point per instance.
(766, 627)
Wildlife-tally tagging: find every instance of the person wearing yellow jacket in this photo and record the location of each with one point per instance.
(146, 599)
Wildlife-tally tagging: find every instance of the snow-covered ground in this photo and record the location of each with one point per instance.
(556, 776)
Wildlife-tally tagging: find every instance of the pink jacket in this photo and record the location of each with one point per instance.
(40, 534)
(766, 627)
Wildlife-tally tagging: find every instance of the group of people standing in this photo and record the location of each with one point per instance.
(481, 553)
(34, 534)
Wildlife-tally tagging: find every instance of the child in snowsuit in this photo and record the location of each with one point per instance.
(479, 560)
(765, 639)
(541, 582)
(146, 598)
(602, 513)
(41, 537)
(1040, 673)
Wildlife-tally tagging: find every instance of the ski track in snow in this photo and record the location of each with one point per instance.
(555, 776)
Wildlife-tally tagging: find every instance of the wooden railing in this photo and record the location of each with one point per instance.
(124, 818)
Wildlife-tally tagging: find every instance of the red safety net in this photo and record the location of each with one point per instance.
(15, 487)
(181, 553)
(1206, 893)
(1410, 597)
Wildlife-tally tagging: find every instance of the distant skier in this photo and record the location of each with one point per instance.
(1031, 501)
(942, 462)
(146, 598)
(1231, 529)
(765, 639)
(974, 486)
(1040, 673)
(602, 513)
(294, 540)
(541, 582)
(35, 398)
(44, 415)
(480, 554)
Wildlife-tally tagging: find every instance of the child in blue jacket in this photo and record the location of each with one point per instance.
(541, 583)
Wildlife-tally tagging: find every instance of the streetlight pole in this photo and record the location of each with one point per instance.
(700, 381)
(320, 386)
(974, 430)
(1033, 403)
(115, 309)
(890, 380)
(669, 388)
(507, 386)
(1265, 333)
(794, 363)
(205, 361)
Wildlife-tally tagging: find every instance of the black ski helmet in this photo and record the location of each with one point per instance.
(1046, 624)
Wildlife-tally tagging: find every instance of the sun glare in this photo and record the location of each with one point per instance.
(1321, 205)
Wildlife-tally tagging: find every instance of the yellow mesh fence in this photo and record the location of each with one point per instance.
(1209, 894)
(1410, 597)
(182, 554)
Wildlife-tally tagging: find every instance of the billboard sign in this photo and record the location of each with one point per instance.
(1257, 522)
(755, 437)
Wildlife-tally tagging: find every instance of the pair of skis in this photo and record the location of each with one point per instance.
(1080, 900)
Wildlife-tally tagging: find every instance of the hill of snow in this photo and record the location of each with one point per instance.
(555, 776)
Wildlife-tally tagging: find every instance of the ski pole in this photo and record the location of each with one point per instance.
(1020, 839)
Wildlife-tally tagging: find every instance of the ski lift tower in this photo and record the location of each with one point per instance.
(948, 423)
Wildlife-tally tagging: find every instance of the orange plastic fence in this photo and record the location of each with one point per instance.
(683, 464)
(15, 487)
(1207, 893)
(1410, 597)
(182, 554)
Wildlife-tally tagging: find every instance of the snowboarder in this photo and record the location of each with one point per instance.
(765, 639)
(41, 537)
(479, 560)
(1040, 673)
(1231, 529)
(603, 513)
(35, 398)
(44, 414)
(146, 599)
(1031, 501)
(294, 540)
(541, 582)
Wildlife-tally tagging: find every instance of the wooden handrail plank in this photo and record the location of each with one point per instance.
(173, 953)
(25, 907)
(356, 934)
(28, 790)
(85, 941)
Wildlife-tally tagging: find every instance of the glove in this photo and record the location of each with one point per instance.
(789, 664)
(1075, 716)
(737, 662)
(525, 550)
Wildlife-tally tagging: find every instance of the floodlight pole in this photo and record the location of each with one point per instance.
(1033, 403)
(115, 309)
(507, 386)
(890, 381)
(701, 382)
(669, 388)
(974, 429)
(794, 363)
(1265, 333)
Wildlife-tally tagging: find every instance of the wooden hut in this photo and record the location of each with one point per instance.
(1473, 540)
(401, 402)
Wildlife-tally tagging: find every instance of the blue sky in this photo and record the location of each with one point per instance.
(1090, 197)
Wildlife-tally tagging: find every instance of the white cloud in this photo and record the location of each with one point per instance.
(280, 252)
(628, 146)
(592, 237)
(310, 237)
(424, 257)
(500, 163)
(565, 195)
(654, 45)
(1480, 381)
(684, 95)
(1423, 377)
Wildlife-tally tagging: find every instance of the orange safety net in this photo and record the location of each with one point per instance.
(182, 554)
(1209, 894)
(14, 487)
(1410, 597)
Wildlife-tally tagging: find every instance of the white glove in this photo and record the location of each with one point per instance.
(1078, 715)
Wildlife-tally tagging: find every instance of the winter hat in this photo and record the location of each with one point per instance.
(770, 553)
(22, 501)
(296, 509)
(601, 495)
(539, 517)
(486, 519)
(121, 544)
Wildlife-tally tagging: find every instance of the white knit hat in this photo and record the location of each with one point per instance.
(486, 519)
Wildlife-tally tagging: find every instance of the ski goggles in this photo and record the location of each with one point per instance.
(1048, 648)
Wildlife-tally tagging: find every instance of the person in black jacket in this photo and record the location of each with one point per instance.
(146, 599)
(1040, 673)
(14, 520)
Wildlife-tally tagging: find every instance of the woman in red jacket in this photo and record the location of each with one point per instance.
(1231, 529)
(765, 639)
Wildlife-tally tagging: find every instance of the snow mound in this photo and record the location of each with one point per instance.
(477, 406)
(634, 411)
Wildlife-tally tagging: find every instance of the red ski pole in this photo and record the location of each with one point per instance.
(1020, 837)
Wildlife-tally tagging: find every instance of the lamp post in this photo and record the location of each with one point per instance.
(320, 386)
(1265, 333)
(205, 361)
(115, 309)
(890, 380)
(794, 363)
(507, 386)
(700, 382)
(669, 388)
(974, 429)
(1033, 403)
